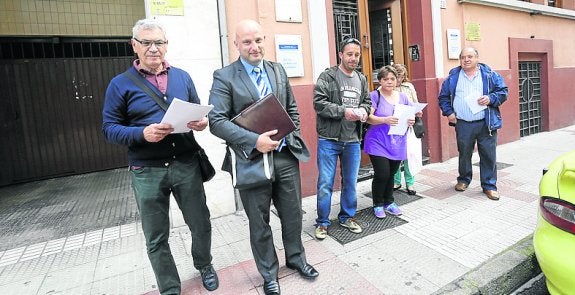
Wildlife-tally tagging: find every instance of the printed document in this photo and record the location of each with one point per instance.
(419, 106)
(471, 101)
(402, 112)
(405, 112)
(181, 112)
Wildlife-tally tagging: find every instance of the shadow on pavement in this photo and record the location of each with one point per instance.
(50, 209)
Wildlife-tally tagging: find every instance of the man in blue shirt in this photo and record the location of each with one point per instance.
(470, 98)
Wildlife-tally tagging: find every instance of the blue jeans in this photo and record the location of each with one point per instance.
(349, 154)
(467, 133)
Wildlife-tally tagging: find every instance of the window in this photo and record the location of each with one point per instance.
(552, 3)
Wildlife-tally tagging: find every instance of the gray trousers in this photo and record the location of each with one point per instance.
(285, 192)
(152, 187)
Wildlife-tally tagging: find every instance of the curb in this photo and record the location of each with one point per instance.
(501, 274)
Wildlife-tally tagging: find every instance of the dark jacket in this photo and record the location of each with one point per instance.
(327, 104)
(128, 110)
(493, 86)
(232, 91)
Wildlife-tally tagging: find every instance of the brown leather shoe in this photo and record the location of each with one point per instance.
(461, 186)
(491, 194)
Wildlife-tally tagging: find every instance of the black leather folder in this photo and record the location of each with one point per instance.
(264, 115)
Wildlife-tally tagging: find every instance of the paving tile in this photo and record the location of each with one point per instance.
(69, 278)
(129, 229)
(126, 283)
(26, 286)
(11, 256)
(74, 242)
(119, 264)
(393, 266)
(33, 251)
(111, 233)
(26, 269)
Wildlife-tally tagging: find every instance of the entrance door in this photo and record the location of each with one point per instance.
(530, 108)
(379, 25)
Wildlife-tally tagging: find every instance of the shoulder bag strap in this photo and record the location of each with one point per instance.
(159, 100)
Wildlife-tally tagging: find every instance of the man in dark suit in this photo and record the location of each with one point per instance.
(235, 87)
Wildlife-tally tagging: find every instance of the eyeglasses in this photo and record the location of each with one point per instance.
(147, 43)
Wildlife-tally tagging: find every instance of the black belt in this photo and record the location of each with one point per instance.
(480, 120)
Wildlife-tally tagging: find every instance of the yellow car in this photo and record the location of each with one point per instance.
(554, 237)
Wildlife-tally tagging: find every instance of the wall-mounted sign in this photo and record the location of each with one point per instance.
(443, 4)
(289, 54)
(167, 7)
(288, 11)
(414, 52)
(472, 32)
(453, 43)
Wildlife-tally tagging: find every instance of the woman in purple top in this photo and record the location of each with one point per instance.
(385, 151)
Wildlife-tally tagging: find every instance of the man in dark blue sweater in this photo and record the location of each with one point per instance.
(160, 162)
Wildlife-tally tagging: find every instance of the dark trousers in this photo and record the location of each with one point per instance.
(152, 187)
(285, 192)
(467, 134)
(384, 170)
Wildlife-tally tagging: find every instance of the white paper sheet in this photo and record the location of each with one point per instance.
(419, 106)
(471, 101)
(181, 112)
(403, 113)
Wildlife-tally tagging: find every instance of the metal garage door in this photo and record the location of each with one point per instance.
(51, 102)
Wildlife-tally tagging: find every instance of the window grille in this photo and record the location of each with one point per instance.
(530, 108)
(60, 47)
(346, 22)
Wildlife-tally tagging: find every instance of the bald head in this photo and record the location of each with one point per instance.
(468, 59)
(250, 41)
(468, 51)
(246, 26)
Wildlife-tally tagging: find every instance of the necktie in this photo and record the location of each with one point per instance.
(263, 90)
(262, 86)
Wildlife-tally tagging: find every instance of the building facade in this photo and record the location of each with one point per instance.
(60, 55)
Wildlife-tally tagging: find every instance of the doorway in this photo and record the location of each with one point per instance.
(530, 107)
(380, 27)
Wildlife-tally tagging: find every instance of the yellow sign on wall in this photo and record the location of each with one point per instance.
(472, 32)
(167, 7)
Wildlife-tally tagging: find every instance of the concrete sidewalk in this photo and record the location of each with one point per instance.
(447, 235)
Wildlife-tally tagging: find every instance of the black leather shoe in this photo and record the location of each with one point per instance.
(410, 190)
(272, 288)
(307, 271)
(209, 278)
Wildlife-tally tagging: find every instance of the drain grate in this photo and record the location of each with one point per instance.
(401, 197)
(499, 165)
(369, 222)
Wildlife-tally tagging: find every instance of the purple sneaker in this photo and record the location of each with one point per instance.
(393, 209)
(379, 212)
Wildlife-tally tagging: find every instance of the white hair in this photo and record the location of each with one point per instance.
(147, 24)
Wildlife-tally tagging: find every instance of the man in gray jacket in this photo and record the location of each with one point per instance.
(342, 103)
(234, 88)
